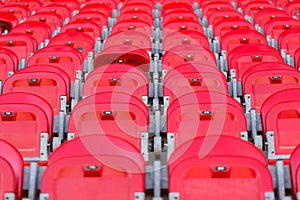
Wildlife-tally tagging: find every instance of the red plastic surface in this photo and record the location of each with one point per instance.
(280, 113)
(290, 40)
(135, 38)
(294, 170)
(244, 57)
(47, 82)
(275, 26)
(217, 166)
(28, 111)
(191, 77)
(80, 41)
(93, 167)
(265, 79)
(8, 63)
(175, 38)
(116, 78)
(201, 113)
(21, 44)
(238, 37)
(224, 26)
(187, 53)
(64, 57)
(111, 113)
(11, 170)
(123, 54)
(39, 30)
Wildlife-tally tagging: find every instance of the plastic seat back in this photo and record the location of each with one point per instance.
(174, 38)
(11, 170)
(8, 63)
(199, 167)
(48, 82)
(238, 37)
(116, 77)
(67, 58)
(123, 54)
(245, 56)
(265, 79)
(280, 114)
(193, 77)
(110, 113)
(294, 171)
(77, 40)
(19, 110)
(201, 113)
(96, 164)
(187, 53)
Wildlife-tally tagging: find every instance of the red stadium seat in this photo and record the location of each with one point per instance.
(224, 26)
(110, 113)
(175, 16)
(174, 38)
(124, 54)
(32, 5)
(253, 7)
(64, 57)
(244, 57)
(48, 82)
(199, 168)
(215, 6)
(11, 169)
(274, 27)
(188, 53)
(88, 27)
(136, 15)
(135, 38)
(7, 21)
(175, 6)
(263, 16)
(280, 120)
(184, 25)
(220, 15)
(23, 45)
(72, 5)
(294, 169)
(97, 6)
(94, 16)
(201, 113)
(265, 79)
(20, 110)
(289, 40)
(39, 30)
(116, 77)
(63, 11)
(191, 77)
(53, 20)
(8, 63)
(77, 40)
(238, 37)
(140, 7)
(20, 11)
(293, 8)
(97, 165)
(132, 24)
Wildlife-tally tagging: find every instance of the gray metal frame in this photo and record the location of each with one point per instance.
(271, 148)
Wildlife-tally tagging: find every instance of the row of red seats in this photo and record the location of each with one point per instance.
(120, 113)
(203, 121)
(255, 79)
(112, 116)
(244, 60)
(34, 94)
